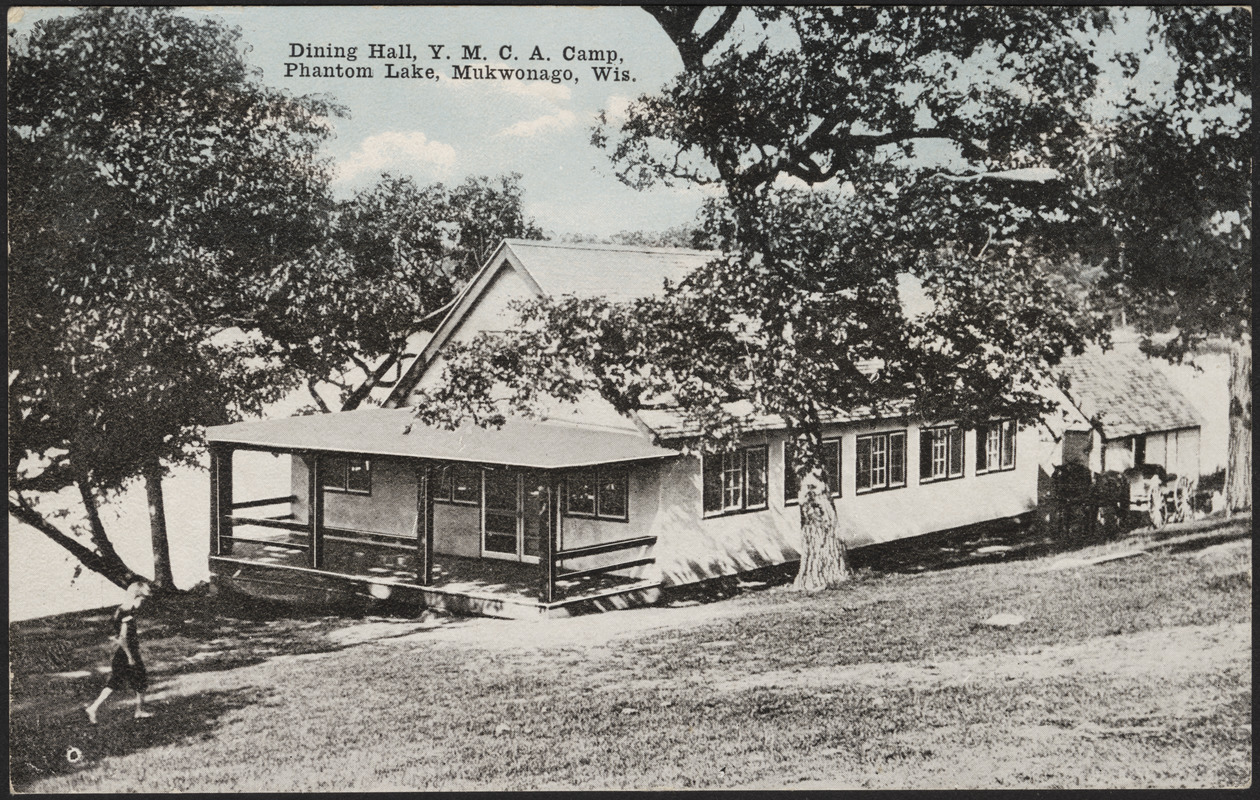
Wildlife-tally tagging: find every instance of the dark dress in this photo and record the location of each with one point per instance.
(123, 673)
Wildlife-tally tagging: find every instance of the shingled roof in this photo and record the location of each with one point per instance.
(1125, 394)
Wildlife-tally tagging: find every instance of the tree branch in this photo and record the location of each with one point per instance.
(1023, 175)
(715, 34)
(319, 401)
(365, 388)
(679, 24)
(111, 568)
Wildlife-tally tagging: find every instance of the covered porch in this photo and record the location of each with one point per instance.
(383, 509)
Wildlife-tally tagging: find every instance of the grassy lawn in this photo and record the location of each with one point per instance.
(1133, 672)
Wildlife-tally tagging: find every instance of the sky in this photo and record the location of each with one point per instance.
(446, 130)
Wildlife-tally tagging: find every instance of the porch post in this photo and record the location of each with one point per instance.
(214, 500)
(547, 591)
(424, 524)
(315, 509)
(220, 500)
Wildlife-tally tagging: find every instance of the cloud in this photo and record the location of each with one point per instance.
(616, 107)
(398, 150)
(545, 124)
(555, 93)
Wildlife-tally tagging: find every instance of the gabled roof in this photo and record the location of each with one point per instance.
(544, 444)
(1125, 394)
(618, 272)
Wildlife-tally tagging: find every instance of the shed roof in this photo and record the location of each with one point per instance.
(1125, 394)
(395, 432)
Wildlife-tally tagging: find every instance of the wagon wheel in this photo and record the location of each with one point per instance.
(1185, 508)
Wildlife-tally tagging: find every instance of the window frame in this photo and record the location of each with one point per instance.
(1007, 433)
(789, 477)
(741, 468)
(445, 483)
(886, 439)
(597, 477)
(339, 467)
(945, 432)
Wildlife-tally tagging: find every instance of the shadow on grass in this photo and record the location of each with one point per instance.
(999, 541)
(59, 740)
(1197, 543)
(57, 665)
(186, 633)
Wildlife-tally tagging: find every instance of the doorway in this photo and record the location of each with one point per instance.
(515, 514)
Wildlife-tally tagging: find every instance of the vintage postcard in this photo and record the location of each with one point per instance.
(651, 398)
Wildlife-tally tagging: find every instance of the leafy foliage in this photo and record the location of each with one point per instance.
(160, 202)
(1168, 185)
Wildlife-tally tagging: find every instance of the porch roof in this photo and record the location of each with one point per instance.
(395, 432)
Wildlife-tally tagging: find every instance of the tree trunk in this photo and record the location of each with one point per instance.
(1238, 465)
(824, 557)
(96, 528)
(163, 580)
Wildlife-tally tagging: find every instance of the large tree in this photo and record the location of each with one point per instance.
(177, 260)
(160, 201)
(1167, 181)
(852, 145)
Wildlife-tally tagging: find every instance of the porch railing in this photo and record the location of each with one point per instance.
(552, 569)
(284, 522)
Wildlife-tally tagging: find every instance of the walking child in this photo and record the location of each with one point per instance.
(127, 668)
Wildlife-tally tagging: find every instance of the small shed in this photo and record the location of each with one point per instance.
(1141, 417)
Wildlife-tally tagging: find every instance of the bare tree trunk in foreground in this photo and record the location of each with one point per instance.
(1238, 466)
(824, 557)
(162, 577)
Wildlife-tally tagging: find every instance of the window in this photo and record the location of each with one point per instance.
(457, 483)
(995, 446)
(940, 453)
(1139, 450)
(736, 481)
(602, 493)
(352, 475)
(613, 497)
(881, 461)
(580, 489)
(831, 467)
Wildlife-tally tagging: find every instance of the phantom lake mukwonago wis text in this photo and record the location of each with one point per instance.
(435, 62)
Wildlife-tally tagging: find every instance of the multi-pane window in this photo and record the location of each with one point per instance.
(830, 454)
(732, 481)
(603, 493)
(995, 446)
(881, 461)
(940, 453)
(353, 475)
(736, 481)
(457, 483)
